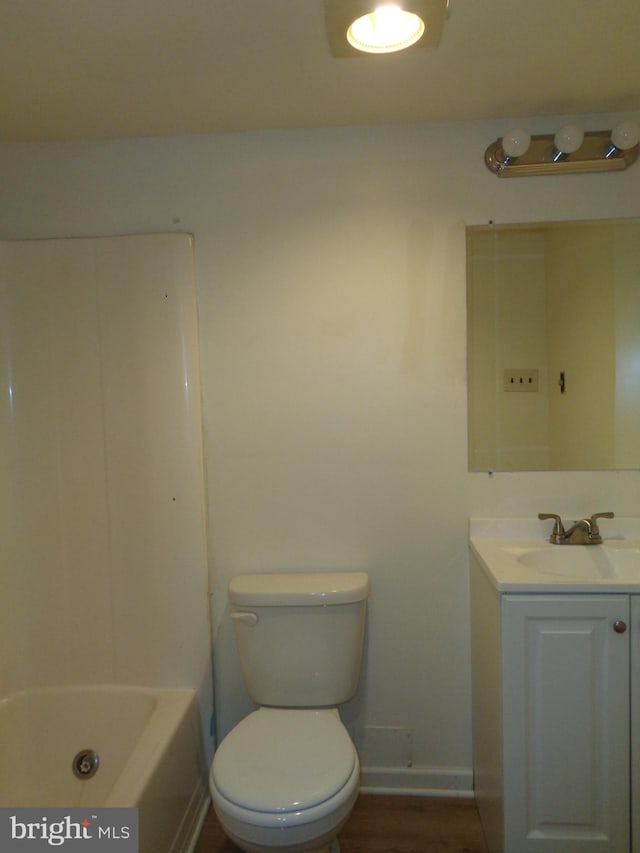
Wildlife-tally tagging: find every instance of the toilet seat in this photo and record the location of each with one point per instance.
(279, 766)
(292, 766)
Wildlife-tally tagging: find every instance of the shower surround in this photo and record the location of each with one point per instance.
(103, 564)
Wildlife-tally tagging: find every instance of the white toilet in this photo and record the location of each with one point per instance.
(287, 776)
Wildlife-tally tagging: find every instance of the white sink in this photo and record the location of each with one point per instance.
(517, 557)
(609, 560)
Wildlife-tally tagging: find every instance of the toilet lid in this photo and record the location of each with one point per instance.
(281, 760)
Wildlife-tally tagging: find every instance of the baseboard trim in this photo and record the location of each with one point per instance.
(418, 781)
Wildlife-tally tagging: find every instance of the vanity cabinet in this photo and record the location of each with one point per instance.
(552, 712)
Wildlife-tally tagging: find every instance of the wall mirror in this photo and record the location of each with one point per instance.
(553, 328)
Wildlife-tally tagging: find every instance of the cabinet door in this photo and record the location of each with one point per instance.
(566, 723)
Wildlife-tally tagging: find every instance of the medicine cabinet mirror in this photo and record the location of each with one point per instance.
(553, 327)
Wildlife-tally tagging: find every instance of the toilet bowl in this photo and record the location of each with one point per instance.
(287, 776)
(285, 779)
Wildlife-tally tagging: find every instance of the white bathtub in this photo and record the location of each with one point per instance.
(149, 746)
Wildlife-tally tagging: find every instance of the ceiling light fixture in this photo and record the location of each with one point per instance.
(362, 27)
(569, 150)
(385, 30)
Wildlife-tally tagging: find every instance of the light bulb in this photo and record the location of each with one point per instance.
(387, 29)
(516, 142)
(567, 140)
(625, 135)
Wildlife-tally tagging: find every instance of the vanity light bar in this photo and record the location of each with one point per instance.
(543, 157)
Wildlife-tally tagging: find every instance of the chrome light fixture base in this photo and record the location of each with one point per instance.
(340, 14)
(592, 156)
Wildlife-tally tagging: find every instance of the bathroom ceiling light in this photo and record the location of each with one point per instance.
(385, 30)
(569, 150)
(361, 27)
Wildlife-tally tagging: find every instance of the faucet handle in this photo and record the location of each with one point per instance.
(594, 524)
(558, 529)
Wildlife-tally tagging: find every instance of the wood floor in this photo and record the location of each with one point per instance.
(390, 824)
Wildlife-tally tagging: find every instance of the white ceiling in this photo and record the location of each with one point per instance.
(111, 68)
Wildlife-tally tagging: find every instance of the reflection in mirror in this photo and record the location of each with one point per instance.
(553, 321)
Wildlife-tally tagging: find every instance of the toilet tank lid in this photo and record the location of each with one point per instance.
(305, 589)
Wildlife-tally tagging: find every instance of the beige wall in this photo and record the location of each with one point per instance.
(331, 280)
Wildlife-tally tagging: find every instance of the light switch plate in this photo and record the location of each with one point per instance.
(519, 379)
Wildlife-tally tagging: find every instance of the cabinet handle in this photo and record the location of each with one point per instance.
(619, 626)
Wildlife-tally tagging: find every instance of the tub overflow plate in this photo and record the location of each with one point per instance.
(85, 764)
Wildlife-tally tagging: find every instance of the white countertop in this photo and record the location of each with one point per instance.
(501, 544)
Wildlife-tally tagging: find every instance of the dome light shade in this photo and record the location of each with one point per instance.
(385, 30)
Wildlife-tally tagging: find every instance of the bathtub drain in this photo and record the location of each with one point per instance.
(85, 764)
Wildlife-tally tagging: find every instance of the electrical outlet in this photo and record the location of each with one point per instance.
(520, 379)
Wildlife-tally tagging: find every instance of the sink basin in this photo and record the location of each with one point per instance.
(610, 560)
(518, 559)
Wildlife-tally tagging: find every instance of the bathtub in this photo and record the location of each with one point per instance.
(150, 756)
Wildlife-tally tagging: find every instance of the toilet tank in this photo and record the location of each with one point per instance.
(300, 636)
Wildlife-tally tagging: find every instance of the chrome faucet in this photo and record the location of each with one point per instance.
(582, 532)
